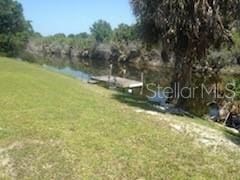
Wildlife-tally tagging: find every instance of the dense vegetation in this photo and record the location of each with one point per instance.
(189, 29)
(236, 47)
(14, 28)
(235, 52)
(78, 45)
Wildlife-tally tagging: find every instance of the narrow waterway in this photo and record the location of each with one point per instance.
(78, 74)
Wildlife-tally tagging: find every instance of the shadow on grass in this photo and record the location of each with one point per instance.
(233, 136)
(144, 104)
(134, 101)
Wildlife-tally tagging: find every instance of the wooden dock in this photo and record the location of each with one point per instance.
(118, 81)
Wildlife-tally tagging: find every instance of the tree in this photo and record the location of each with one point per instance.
(101, 30)
(188, 28)
(71, 36)
(83, 35)
(14, 29)
(125, 33)
(59, 36)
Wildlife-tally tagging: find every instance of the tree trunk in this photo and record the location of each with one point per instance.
(182, 79)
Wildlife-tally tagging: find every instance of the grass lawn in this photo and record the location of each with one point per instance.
(55, 127)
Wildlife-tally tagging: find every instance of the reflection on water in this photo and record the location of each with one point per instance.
(80, 68)
(159, 97)
(70, 72)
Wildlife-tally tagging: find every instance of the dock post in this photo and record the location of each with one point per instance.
(124, 73)
(110, 74)
(216, 91)
(142, 80)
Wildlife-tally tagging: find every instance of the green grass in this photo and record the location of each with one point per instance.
(55, 127)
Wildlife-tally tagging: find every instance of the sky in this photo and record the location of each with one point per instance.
(74, 16)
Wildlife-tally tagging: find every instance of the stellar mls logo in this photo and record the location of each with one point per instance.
(191, 92)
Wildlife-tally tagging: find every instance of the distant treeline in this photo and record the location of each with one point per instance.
(101, 32)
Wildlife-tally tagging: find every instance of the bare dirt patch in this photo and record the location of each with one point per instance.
(202, 135)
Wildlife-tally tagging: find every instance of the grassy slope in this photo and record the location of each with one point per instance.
(52, 126)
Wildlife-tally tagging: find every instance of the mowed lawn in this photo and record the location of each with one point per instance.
(55, 127)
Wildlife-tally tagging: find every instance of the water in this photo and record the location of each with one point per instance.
(213, 111)
(80, 75)
(159, 97)
(99, 68)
